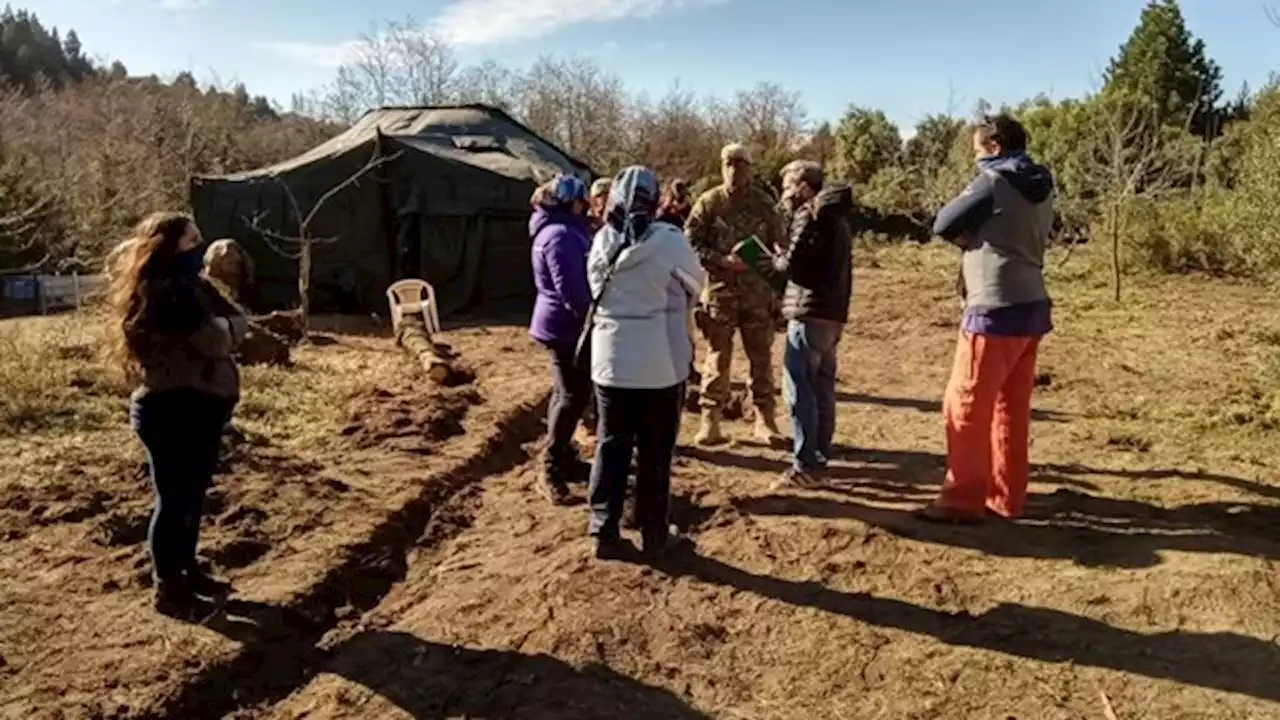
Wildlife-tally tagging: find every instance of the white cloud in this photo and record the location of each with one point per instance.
(469, 23)
(183, 4)
(318, 54)
(485, 22)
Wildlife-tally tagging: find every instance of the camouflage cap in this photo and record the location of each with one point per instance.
(735, 152)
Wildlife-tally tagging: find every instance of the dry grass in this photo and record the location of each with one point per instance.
(57, 381)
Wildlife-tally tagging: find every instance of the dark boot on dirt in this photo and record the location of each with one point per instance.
(660, 542)
(607, 547)
(175, 599)
(207, 586)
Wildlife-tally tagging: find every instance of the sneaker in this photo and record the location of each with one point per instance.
(206, 586)
(796, 479)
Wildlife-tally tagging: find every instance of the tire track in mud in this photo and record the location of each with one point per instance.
(280, 644)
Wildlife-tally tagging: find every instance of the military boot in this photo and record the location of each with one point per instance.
(709, 432)
(766, 429)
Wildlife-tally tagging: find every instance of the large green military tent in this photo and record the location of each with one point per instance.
(451, 207)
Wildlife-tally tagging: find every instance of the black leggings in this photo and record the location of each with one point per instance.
(182, 433)
(645, 422)
(570, 395)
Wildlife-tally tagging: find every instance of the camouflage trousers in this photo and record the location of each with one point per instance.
(723, 313)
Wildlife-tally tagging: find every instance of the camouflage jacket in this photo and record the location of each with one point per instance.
(720, 219)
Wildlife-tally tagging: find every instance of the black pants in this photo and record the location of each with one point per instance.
(182, 432)
(645, 422)
(570, 395)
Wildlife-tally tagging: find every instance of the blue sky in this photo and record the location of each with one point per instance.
(907, 57)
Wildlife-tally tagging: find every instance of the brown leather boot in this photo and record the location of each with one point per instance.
(766, 429)
(709, 432)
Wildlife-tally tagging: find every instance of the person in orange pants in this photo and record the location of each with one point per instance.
(1001, 222)
(988, 415)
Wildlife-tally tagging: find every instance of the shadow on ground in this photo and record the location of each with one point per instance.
(933, 406)
(430, 680)
(1090, 530)
(1218, 661)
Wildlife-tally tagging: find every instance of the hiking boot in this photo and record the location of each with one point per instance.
(175, 599)
(206, 586)
(657, 543)
(766, 428)
(610, 547)
(709, 432)
(797, 479)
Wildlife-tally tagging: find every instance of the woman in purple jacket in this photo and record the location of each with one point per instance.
(561, 239)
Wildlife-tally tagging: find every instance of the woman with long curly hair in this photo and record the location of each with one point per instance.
(174, 335)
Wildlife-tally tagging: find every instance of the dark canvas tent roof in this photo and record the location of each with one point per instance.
(450, 207)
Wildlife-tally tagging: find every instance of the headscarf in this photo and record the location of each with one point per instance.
(633, 202)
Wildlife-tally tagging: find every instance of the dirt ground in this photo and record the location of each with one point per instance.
(393, 560)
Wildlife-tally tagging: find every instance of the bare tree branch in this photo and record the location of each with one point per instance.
(282, 244)
(1272, 14)
(373, 164)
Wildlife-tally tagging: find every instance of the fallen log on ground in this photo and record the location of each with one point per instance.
(263, 347)
(437, 359)
(284, 324)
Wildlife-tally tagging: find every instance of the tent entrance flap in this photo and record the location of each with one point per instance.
(473, 261)
(446, 251)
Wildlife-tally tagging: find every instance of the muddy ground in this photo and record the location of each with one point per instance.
(402, 565)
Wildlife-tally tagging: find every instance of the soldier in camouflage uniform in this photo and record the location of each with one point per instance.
(736, 298)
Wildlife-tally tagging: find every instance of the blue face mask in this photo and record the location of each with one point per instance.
(191, 262)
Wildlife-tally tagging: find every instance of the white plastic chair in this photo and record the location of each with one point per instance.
(413, 296)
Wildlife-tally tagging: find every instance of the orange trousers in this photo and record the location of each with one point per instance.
(988, 414)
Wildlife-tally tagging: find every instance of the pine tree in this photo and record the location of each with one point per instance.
(1164, 63)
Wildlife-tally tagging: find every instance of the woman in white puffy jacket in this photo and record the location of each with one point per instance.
(646, 277)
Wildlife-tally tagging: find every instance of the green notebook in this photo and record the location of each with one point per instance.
(753, 252)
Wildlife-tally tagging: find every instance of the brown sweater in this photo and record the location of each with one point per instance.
(191, 342)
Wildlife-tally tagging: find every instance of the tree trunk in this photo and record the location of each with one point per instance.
(304, 285)
(1113, 228)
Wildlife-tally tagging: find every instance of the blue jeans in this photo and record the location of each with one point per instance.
(182, 432)
(644, 422)
(809, 387)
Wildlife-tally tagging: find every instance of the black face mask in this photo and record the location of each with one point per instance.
(191, 262)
